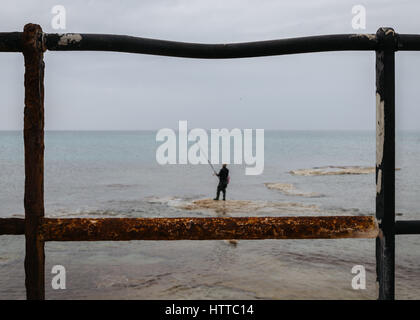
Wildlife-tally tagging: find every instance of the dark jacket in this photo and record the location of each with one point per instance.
(223, 176)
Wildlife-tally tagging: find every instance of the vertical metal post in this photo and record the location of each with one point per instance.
(33, 48)
(385, 161)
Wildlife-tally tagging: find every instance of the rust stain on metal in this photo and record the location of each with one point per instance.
(33, 45)
(252, 228)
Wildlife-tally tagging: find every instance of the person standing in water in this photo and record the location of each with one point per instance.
(223, 181)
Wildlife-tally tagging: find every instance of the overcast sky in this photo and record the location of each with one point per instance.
(117, 91)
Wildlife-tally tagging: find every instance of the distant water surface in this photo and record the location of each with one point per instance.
(115, 174)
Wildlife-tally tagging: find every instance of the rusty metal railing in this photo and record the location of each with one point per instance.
(38, 229)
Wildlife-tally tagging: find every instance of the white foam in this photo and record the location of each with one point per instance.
(247, 206)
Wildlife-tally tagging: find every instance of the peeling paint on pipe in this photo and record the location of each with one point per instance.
(385, 161)
(69, 38)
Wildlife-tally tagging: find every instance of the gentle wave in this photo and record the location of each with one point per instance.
(290, 190)
(120, 185)
(247, 206)
(167, 206)
(333, 170)
(88, 213)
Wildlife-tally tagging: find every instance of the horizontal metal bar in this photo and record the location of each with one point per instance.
(12, 226)
(250, 228)
(408, 42)
(122, 43)
(407, 227)
(16, 226)
(11, 41)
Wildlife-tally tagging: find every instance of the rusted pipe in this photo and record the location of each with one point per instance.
(251, 228)
(293, 226)
(33, 48)
(12, 226)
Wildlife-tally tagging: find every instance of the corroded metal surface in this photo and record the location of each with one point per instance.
(33, 48)
(81, 229)
(12, 226)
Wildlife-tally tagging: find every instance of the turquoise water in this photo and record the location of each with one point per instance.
(115, 174)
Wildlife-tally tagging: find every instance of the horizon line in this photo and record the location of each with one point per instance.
(207, 129)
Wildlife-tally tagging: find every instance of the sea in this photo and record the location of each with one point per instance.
(115, 174)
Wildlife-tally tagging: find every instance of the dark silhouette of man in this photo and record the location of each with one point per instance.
(223, 182)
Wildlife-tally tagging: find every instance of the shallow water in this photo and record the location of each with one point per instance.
(114, 174)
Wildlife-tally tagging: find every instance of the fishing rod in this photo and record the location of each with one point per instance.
(207, 158)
